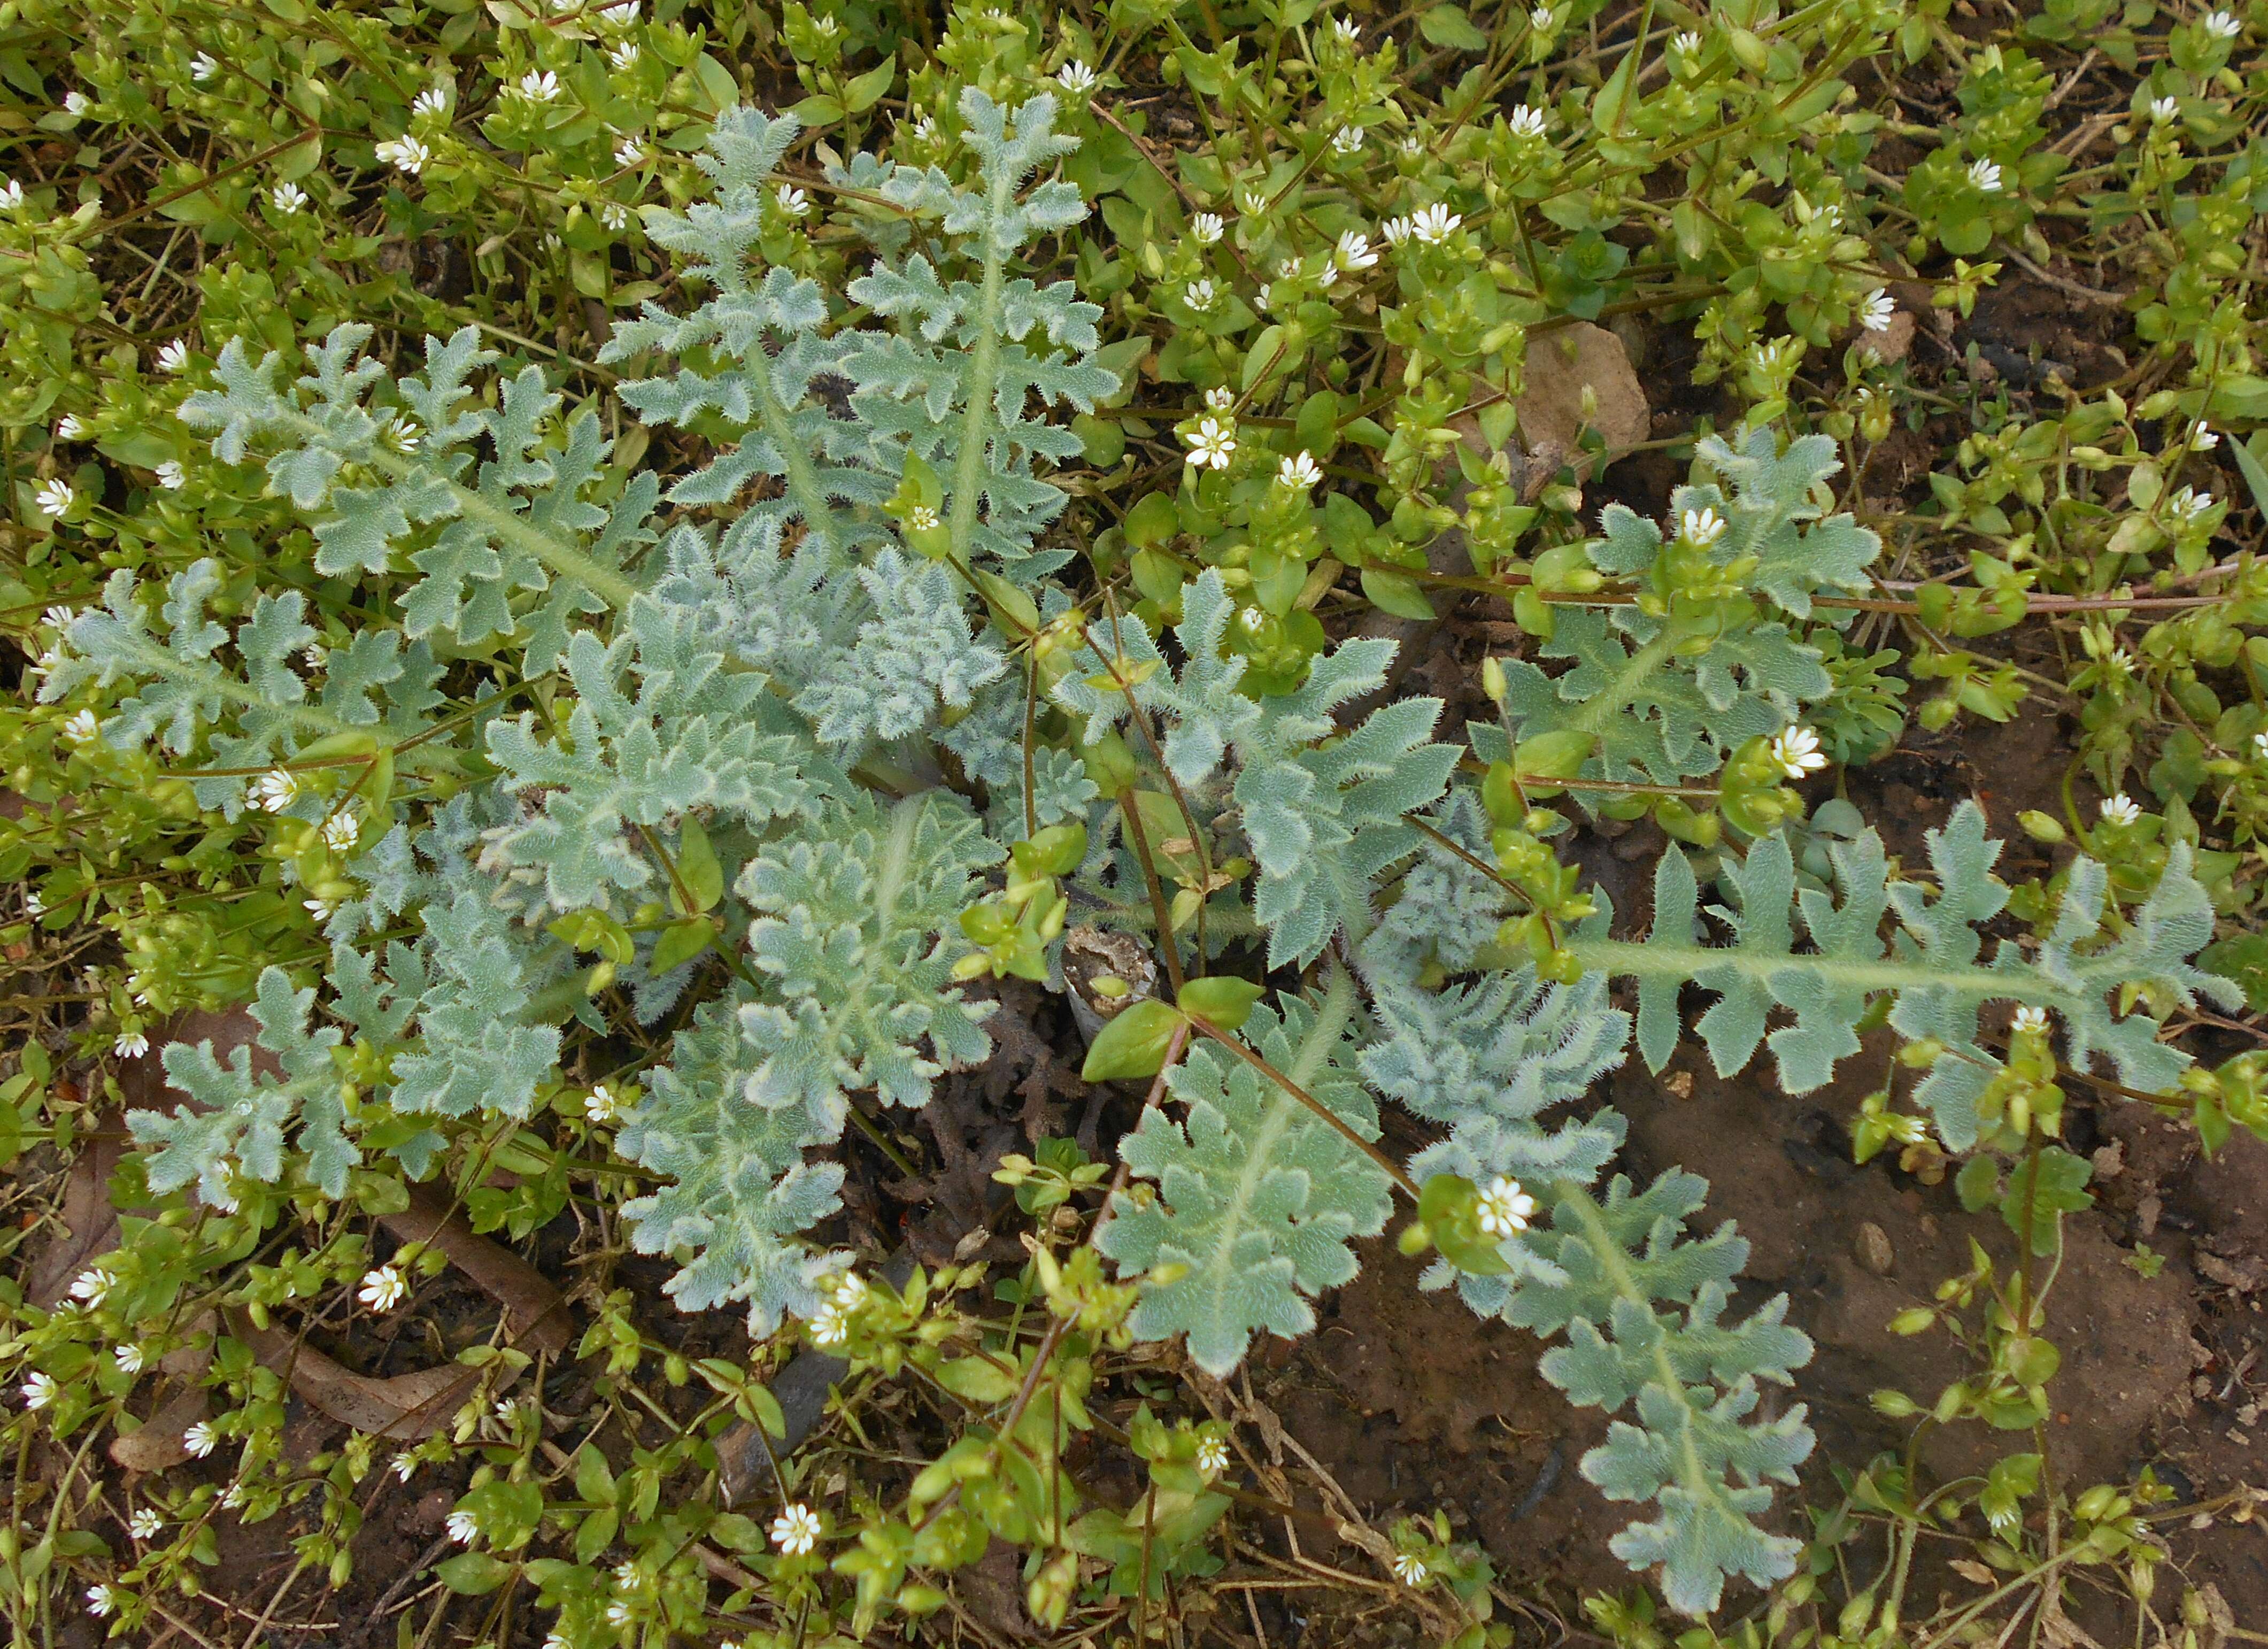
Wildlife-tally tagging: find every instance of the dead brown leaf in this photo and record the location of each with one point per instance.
(534, 1312)
(405, 1408)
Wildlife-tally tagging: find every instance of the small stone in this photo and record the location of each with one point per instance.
(1874, 1249)
(1680, 1084)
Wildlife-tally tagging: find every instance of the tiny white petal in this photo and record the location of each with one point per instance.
(1985, 174)
(796, 1530)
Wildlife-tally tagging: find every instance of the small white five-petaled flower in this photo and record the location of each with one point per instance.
(831, 1324)
(2188, 503)
(1701, 528)
(2201, 439)
(55, 499)
(146, 1524)
(1077, 78)
(538, 86)
(1985, 175)
(1199, 294)
(1505, 1208)
(1527, 122)
(463, 1527)
(69, 428)
(1433, 225)
(1353, 252)
(171, 476)
(275, 790)
(1875, 313)
(1219, 398)
(2163, 109)
(100, 1599)
(2030, 1020)
(793, 200)
(405, 154)
(93, 1283)
(383, 1288)
(75, 103)
(131, 1045)
(1395, 231)
(431, 101)
(38, 1391)
(1541, 19)
(201, 1440)
(628, 153)
(1346, 140)
(1300, 472)
(1212, 444)
(1686, 43)
(204, 66)
(795, 1531)
(82, 726)
(1347, 29)
(1212, 1456)
(12, 195)
(287, 197)
(129, 1358)
(341, 832)
(2223, 26)
(1795, 752)
(404, 1465)
(2120, 810)
(624, 58)
(599, 1105)
(1410, 1569)
(921, 519)
(2260, 747)
(1207, 228)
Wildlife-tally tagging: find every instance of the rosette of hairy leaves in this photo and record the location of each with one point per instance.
(1933, 967)
(856, 929)
(947, 383)
(739, 1187)
(691, 733)
(251, 712)
(1251, 1192)
(1687, 1377)
(519, 540)
(1323, 811)
(1667, 698)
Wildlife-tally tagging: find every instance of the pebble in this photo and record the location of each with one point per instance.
(1874, 1248)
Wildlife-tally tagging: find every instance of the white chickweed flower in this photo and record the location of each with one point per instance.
(39, 1389)
(2120, 810)
(431, 101)
(383, 1287)
(2201, 439)
(403, 1466)
(287, 197)
(1353, 252)
(341, 832)
(1395, 231)
(1541, 19)
(1701, 528)
(1220, 398)
(2163, 109)
(538, 86)
(2260, 747)
(1795, 752)
(1212, 1456)
(2188, 503)
(1505, 1208)
(201, 1440)
(628, 153)
(171, 476)
(600, 1105)
(620, 15)
(132, 1045)
(1875, 313)
(2030, 1020)
(34, 905)
(1410, 1569)
(94, 1282)
(100, 1599)
(69, 428)
(275, 790)
(1300, 472)
(129, 1358)
(1212, 444)
(831, 1324)
(1077, 78)
(793, 200)
(1347, 29)
(1261, 295)
(615, 215)
(1985, 175)
(75, 103)
(321, 909)
(1207, 228)
(55, 498)
(1346, 140)
(12, 195)
(2222, 25)
(795, 1531)
(145, 1523)
(2121, 660)
(1527, 120)
(1199, 294)
(1686, 43)
(921, 519)
(204, 67)
(405, 154)
(405, 433)
(624, 58)
(81, 726)
(463, 1527)
(1433, 225)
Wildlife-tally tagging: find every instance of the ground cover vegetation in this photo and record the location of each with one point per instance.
(789, 783)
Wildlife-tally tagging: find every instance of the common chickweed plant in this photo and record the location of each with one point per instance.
(618, 577)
